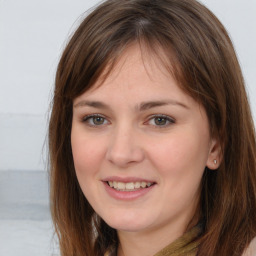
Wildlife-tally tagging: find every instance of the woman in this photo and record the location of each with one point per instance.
(152, 142)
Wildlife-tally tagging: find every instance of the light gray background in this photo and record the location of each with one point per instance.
(32, 36)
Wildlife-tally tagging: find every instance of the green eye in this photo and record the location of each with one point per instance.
(160, 120)
(98, 120)
(95, 120)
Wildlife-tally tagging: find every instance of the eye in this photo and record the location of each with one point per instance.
(161, 121)
(95, 120)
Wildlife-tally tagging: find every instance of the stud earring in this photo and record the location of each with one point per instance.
(215, 161)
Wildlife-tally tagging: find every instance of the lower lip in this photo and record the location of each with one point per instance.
(127, 195)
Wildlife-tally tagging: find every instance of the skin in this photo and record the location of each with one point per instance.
(129, 141)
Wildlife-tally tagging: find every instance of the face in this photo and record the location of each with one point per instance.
(140, 146)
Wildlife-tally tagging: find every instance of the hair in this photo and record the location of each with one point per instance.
(199, 54)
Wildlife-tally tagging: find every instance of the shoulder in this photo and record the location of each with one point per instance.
(251, 250)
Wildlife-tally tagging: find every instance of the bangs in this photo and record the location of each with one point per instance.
(153, 54)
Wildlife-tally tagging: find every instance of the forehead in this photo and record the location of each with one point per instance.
(138, 75)
(152, 61)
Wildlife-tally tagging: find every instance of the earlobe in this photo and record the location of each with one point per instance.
(214, 157)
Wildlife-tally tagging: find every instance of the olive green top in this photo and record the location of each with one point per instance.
(183, 246)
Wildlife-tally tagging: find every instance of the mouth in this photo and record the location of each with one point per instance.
(129, 186)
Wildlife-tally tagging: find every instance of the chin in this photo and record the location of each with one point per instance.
(126, 227)
(127, 223)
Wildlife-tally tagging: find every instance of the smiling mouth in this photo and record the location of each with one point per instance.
(129, 186)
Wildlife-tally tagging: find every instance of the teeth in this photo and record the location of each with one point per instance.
(137, 184)
(143, 184)
(120, 185)
(129, 186)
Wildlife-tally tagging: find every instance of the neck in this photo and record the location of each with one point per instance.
(148, 242)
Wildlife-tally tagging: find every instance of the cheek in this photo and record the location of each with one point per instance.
(180, 153)
(87, 152)
(87, 155)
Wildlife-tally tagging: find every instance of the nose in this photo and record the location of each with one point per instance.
(124, 149)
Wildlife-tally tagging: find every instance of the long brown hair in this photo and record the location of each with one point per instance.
(200, 55)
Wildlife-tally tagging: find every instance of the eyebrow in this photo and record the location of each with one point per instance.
(152, 104)
(141, 107)
(94, 104)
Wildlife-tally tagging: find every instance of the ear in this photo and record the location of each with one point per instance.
(215, 155)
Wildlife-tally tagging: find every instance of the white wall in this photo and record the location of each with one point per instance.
(238, 16)
(32, 35)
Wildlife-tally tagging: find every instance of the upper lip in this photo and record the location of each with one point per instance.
(127, 179)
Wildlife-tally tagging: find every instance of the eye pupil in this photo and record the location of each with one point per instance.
(98, 120)
(160, 121)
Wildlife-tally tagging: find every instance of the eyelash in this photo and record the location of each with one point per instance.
(89, 118)
(166, 118)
